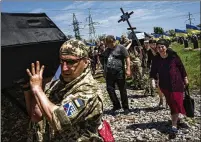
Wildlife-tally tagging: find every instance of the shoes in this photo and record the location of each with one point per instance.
(126, 111)
(115, 108)
(139, 87)
(146, 92)
(173, 130)
(152, 93)
(160, 103)
(181, 124)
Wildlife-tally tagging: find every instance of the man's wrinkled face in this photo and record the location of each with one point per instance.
(72, 67)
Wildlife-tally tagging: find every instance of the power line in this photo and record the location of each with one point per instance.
(190, 18)
(92, 34)
(76, 27)
(168, 17)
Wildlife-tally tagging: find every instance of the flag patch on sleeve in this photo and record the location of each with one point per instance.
(78, 102)
(70, 109)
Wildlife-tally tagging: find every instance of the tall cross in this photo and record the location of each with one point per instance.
(125, 17)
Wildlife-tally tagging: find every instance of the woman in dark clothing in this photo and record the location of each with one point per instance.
(172, 78)
(152, 56)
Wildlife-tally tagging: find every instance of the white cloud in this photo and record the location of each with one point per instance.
(105, 21)
(114, 17)
(80, 5)
(38, 10)
(63, 17)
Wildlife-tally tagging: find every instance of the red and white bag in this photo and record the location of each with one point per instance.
(105, 132)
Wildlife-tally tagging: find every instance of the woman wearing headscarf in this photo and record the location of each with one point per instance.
(172, 79)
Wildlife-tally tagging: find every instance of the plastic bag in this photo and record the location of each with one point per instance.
(105, 132)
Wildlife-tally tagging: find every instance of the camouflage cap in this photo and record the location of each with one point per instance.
(126, 40)
(123, 36)
(74, 47)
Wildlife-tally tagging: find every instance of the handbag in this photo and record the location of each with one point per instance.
(105, 132)
(188, 103)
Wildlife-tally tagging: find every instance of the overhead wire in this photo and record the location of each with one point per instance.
(156, 7)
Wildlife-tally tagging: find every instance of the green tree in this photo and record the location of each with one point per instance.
(172, 33)
(158, 30)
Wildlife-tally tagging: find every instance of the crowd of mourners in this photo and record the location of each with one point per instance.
(154, 67)
(71, 107)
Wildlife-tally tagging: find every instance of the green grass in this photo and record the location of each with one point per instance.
(191, 61)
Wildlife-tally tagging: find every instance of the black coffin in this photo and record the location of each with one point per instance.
(26, 38)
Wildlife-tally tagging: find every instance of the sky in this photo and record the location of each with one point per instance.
(105, 14)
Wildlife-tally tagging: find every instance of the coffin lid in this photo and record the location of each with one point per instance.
(28, 28)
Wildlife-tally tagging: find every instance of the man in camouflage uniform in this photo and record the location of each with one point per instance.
(136, 66)
(137, 58)
(125, 42)
(69, 109)
(146, 68)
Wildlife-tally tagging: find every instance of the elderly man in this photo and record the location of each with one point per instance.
(114, 60)
(70, 108)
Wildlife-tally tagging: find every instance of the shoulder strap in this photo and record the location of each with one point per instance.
(186, 91)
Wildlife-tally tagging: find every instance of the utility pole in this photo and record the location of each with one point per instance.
(91, 28)
(189, 17)
(125, 17)
(76, 27)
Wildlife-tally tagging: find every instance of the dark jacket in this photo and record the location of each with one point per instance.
(171, 72)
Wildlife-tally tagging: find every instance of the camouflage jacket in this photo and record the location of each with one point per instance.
(125, 42)
(79, 114)
(135, 59)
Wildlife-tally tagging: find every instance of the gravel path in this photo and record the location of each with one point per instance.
(147, 122)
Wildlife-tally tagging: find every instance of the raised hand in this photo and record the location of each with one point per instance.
(36, 75)
(186, 82)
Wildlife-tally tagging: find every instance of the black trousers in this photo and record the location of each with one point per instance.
(118, 77)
